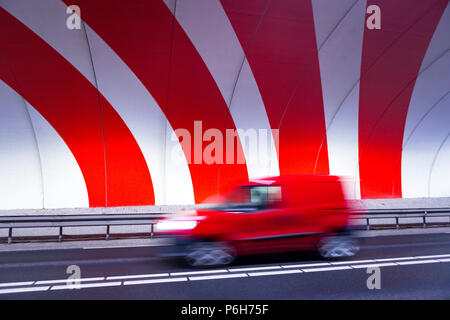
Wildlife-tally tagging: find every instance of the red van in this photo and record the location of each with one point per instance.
(276, 214)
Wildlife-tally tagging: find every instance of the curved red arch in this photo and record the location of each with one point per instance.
(71, 105)
(151, 42)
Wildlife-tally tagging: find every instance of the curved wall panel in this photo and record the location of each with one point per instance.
(122, 110)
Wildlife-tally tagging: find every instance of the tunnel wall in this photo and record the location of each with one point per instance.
(100, 114)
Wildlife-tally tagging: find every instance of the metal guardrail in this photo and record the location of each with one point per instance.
(108, 220)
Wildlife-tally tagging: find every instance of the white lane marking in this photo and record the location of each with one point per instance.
(65, 280)
(13, 284)
(352, 262)
(403, 263)
(271, 273)
(254, 268)
(309, 268)
(28, 289)
(435, 256)
(197, 272)
(327, 269)
(87, 285)
(305, 265)
(130, 283)
(138, 276)
(220, 276)
(371, 265)
(395, 259)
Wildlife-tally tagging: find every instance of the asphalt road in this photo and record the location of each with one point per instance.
(411, 267)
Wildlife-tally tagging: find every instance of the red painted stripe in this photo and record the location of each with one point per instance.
(150, 41)
(391, 60)
(280, 44)
(71, 105)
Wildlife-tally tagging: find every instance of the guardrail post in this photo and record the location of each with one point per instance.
(397, 226)
(107, 232)
(151, 230)
(60, 234)
(424, 220)
(367, 224)
(9, 235)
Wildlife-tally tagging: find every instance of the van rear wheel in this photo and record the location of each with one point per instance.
(341, 246)
(209, 254)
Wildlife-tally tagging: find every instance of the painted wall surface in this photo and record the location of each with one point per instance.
(120, 109)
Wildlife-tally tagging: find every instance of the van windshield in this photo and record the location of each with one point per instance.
(252, 198)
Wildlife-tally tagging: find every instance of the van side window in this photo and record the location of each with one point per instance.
(254, 198)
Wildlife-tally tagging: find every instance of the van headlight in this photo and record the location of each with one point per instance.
(174, 225)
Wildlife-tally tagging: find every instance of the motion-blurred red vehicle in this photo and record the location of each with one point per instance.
(276, 214)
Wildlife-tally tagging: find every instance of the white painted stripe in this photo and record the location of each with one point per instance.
(404, 263)
(197, 272)
(352, 265)
(138, 276)
(19, 290)
(434, 256)
(66, 280)
(14, 284)
(130, 283)
(64, 185)
(208, 27)
(352, 262)
(440, 172)
(139, 110)
(371, 265)
(425, 142)
(327, 269)
(306, 265)
(395, 259)
(20, 169)
(427, 120)
(221, 276)
(254, 268)
(272, 273)
(87, 285)
(339, 29)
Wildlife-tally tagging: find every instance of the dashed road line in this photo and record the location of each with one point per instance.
(13, 284)
(273, 273)
(87, 285)
(305, 265)
(220, 276)
(65, 280)
(327, 269)
(186, 273)
(130, 283)
(137, 276)
(21, 290)
(404, 263)
(254, 268)
(372, 265)
(31, 286)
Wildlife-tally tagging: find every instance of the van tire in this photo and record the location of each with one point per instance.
(201, 254)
